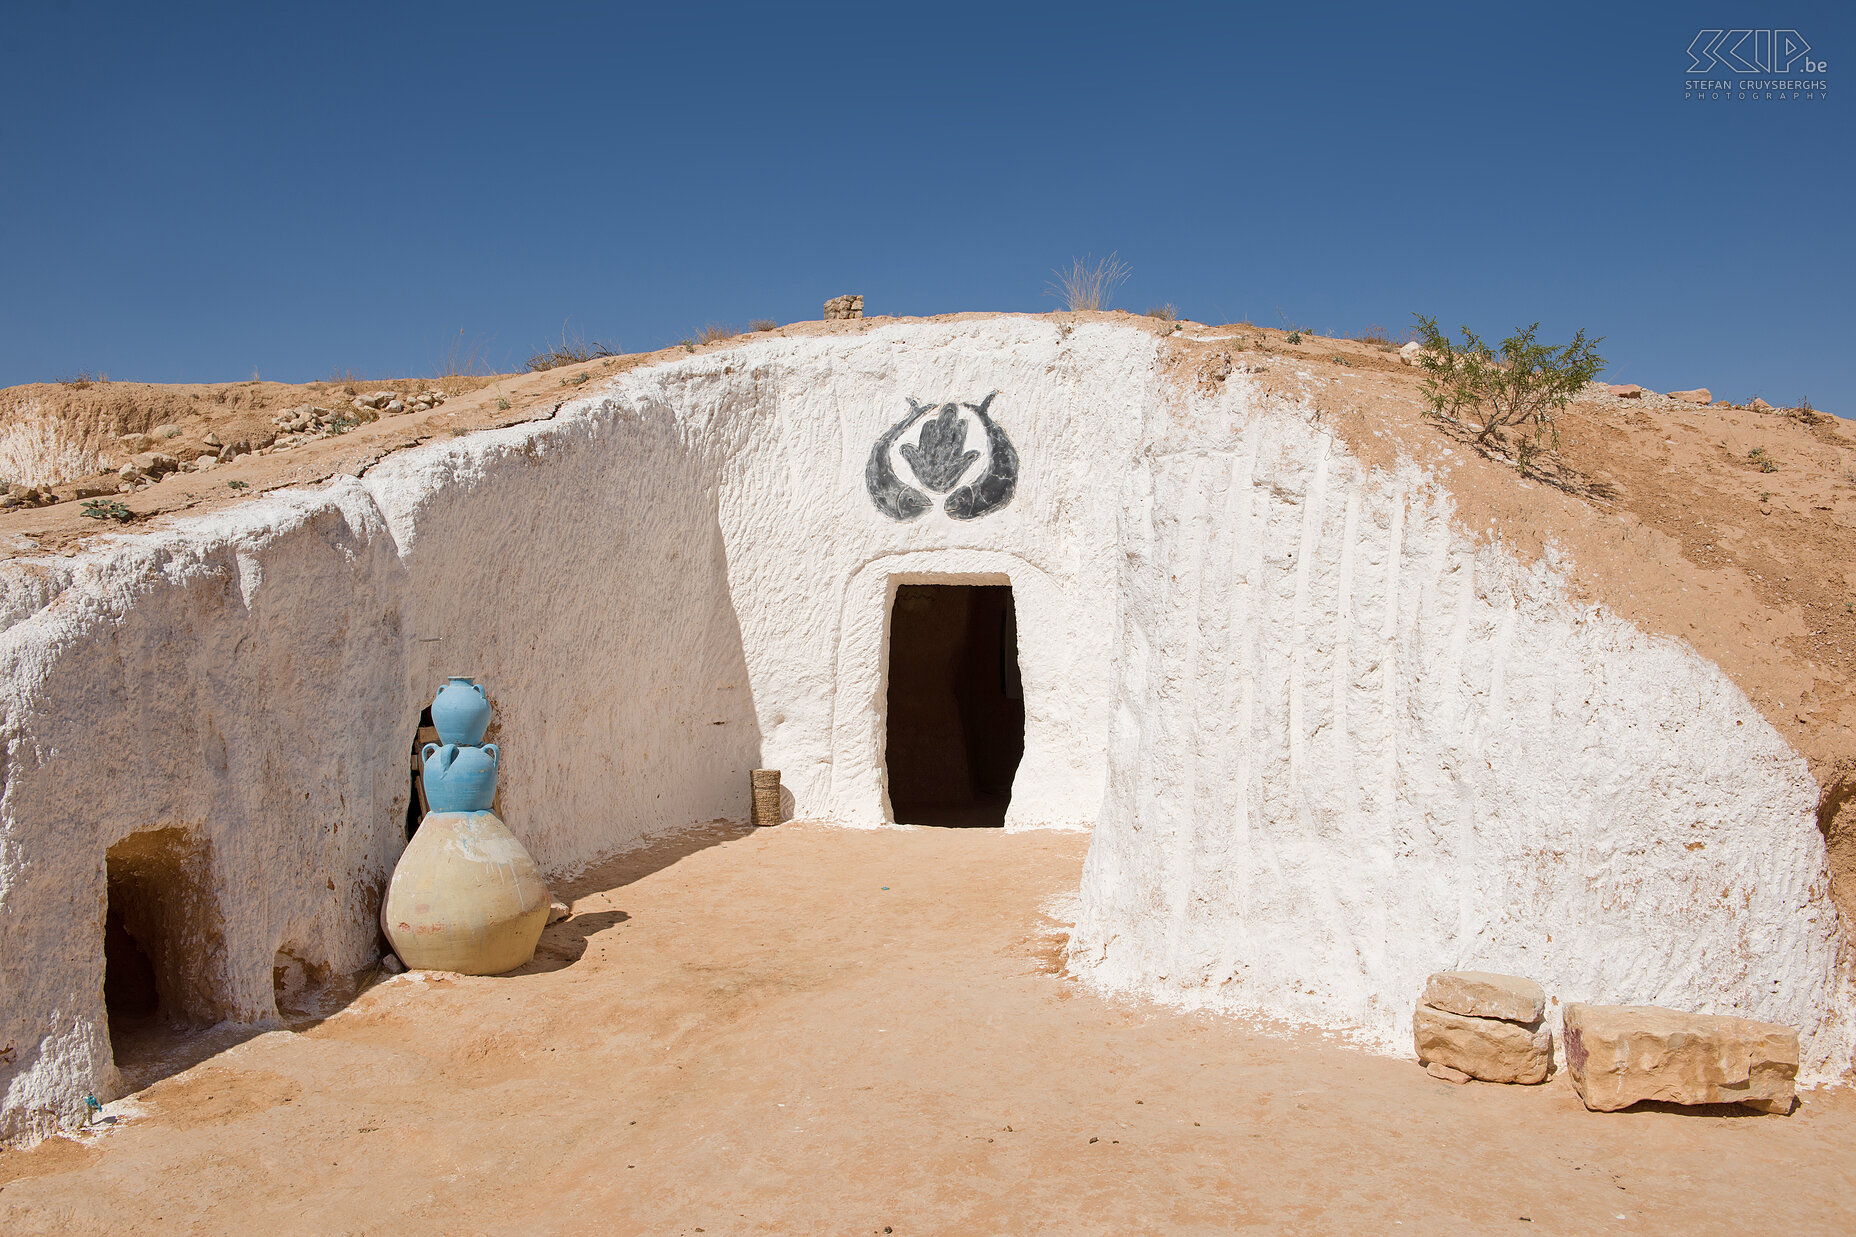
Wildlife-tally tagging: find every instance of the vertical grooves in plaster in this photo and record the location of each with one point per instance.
(1328, 889)
(1463, 844)
(1240, 671)
(1258, 591)
(1183, 664)
(1498, 667)
(1459, 634)
(1312, 502)
(1343, 639)
(1388, 678)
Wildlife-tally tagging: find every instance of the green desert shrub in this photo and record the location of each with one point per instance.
(1519, 385)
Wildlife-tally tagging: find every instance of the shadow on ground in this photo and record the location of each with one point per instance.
(650, 856)
(152, 1049)
(564, 943)
(1734, 1111)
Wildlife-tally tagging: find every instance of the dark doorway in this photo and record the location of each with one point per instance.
(129, 991)
(956, 704)
(422, 734)
(163, 950)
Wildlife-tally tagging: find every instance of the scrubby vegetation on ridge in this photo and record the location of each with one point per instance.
(1520, 386)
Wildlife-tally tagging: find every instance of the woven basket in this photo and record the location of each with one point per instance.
(766, 797)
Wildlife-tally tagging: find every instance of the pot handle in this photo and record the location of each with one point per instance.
(496, 755)
(480, 690)
(425, 753)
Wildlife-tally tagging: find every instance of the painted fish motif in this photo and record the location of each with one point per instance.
(887, 491)
(939, 458)
(993, 488)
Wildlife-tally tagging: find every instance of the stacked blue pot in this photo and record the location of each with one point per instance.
(466, 895)
(460, 769)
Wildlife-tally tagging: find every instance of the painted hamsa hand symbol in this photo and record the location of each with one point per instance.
(939, 458)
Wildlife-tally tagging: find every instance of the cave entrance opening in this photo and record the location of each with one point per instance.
(955, 729)
(163, 949)
(423, 732)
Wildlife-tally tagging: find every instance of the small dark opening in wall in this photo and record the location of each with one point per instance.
(163, 950)
(956, 708)
(415, 799)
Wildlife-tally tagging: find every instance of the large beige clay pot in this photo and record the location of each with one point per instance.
(465, 897)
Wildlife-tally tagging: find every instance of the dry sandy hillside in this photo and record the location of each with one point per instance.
(1732, 528)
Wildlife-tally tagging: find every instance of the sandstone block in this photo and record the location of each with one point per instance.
(153, 463)
(1485, 994)
(1445, 1073)
(1620, 1054)
(1627, 390)
(1759, 405)
(1700, 395)
(1485, 1048)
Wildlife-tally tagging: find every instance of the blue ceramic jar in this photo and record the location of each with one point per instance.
(461, 712)
(460, 777)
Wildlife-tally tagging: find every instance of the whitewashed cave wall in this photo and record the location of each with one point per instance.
(812, 565)
(254, 678)
(1352, 747)
(663, 586)
(1327, 744)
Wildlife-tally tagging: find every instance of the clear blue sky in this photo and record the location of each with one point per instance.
(191, 192)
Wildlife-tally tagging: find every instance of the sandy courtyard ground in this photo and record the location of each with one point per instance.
(815, 1030)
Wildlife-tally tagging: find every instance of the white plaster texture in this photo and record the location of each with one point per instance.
(678, 578)
(1352, 746)
(1328, 744)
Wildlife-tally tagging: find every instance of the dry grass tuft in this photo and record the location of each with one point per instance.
(351, 381)
(763, 324)
(1088, 284)
(464, 359)
(715, 333)
(569, 350)
(1386, 337)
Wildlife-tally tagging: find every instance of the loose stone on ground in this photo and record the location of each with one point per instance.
(1483, 1025)
(1618, 1055)
(1484, 994)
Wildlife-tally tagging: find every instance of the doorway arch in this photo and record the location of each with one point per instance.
(1066, 675)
